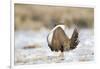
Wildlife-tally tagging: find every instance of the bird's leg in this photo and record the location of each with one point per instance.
(55, 53)
(61, 55)
(56, 56)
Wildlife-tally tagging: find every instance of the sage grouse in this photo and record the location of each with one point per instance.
(59, 41)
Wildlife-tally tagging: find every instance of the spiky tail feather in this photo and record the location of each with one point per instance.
(74, 39)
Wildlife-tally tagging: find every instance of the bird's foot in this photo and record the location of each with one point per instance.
(61, 56)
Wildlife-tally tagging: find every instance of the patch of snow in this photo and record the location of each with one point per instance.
(43, 54)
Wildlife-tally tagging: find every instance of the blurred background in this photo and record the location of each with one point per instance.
(36, 16)
(33, 24)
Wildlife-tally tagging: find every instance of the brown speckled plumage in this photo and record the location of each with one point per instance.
(61, 42)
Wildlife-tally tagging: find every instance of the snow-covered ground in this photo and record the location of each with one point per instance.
(42, 53)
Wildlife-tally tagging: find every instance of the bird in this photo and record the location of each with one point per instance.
(59, 41)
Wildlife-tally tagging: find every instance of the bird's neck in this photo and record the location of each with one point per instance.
(62, 26)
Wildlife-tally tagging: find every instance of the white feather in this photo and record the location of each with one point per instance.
(50, 36)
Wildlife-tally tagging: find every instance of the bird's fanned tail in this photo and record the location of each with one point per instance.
(74, 39)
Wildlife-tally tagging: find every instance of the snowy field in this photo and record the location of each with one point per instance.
(41, 53)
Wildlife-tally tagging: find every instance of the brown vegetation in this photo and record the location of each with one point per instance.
(31, 46)
(37, 16)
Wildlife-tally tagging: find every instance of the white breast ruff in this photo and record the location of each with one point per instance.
(50, 36)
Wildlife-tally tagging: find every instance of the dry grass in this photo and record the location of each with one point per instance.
(31, 46)
(36, 16)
